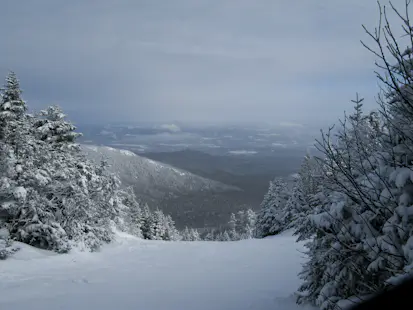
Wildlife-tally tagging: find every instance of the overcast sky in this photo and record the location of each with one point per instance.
(198, 60)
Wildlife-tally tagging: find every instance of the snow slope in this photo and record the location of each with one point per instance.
(151, 179)
(155, 275)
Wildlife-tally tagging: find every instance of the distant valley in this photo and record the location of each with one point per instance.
(199, 174)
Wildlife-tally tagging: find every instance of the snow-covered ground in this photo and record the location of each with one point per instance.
(156, 275)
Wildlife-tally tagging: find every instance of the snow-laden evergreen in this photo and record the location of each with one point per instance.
(270, 219)
(7, 247)
(51, 195)
(359, 224)
(241, 226)
(190, 234)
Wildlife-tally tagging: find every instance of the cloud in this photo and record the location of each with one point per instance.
(289, 124)
(171, 127)
(228, 60)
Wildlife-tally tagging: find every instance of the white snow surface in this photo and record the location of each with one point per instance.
(154, 275)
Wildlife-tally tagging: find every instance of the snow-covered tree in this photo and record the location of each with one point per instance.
(190, 234)
(304, 198)
(342, 217)
(210, 236)
(269, 218)
(51, 195)
(131, 219)
(12, 110)
(6, 245)
(226, 236)
(249, 224)
(361, 229)
(51, 126)
(233, 225)
(171, 232)
(156, 225)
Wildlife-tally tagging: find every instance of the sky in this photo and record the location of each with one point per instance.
(191, 60)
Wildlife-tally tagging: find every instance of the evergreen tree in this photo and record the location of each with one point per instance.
(233, 227)
(343, 218)
(52, 127)
(51, 195)
(270, 216)
(6, 246)
(226, 236)
(249, 224)
(190, 234)
(171, 233)
(210, 236)
(12, 110)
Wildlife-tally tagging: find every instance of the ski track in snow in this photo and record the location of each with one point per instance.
(156, 275)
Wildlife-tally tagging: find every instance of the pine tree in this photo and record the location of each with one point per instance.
(171, 233)
(6, 245)
(250, 220)
(240, 225)
(12, 110)
(51, 126)
(343, 221)
(210, 236)
(51, 195)
(146, 222)
(226, 236)
(190, 234)
(269, 217)
(233, 227)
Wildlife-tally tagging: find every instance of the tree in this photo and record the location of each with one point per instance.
(361, 230)
(269, 217)
(51, 196)
(171, 233)
(52, 127)
(249, 224)
(12, 109)
(233, 225)
(6, 247)
(226, 236)
(190, 234)
(210, 236)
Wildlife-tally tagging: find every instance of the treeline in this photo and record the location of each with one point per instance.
(354, 204)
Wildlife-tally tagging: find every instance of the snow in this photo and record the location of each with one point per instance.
(4, 233)
(20, 193)
(127, 153)
(148, 275)
(153, 162)
(178, 172)
(91, 147)
(401, 175)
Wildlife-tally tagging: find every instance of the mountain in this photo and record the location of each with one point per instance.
(151, 179)
(184, 195)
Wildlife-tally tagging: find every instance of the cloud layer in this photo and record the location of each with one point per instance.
(197, 60)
